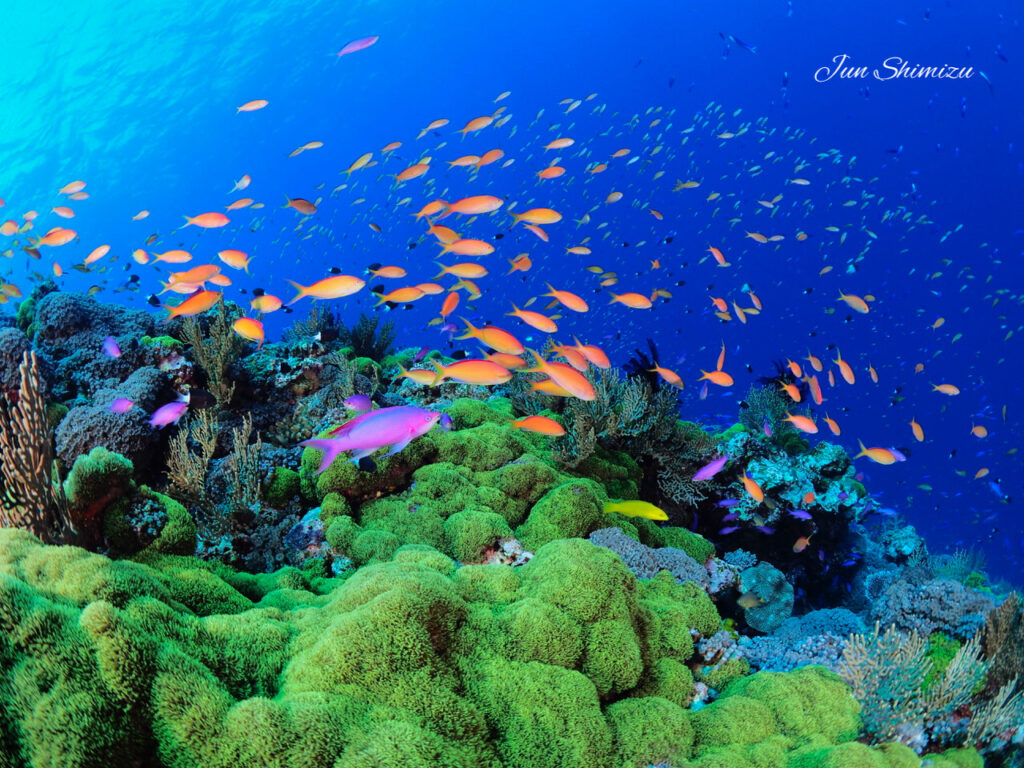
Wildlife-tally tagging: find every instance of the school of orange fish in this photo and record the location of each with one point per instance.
(567, 210)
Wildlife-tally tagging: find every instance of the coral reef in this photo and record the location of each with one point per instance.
(466, 601)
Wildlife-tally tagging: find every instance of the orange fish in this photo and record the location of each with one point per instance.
(493, 337)
(405, 295)
(540, 424)
(537, 231)
(565, 376)
(721, 378)
(301, 205)
(844, 368)
(815, 387)
(505, 360)
(752, 488)
(946, 389)
(801, 544)
(72, 187)
(249, 329)
(718, 256)
(468, 247)
(551, 172)
(195, 304)
(567, 299)
(802, 423)
(669, 376)
(235, 259)
(476, 124)
(198, 274)
(483, 372)
(856, 303)
(64, 212)
(266, 303)
(252, 106)
(434, 206)
(97, 254)
(595, 355)
(520, 263)
(465, 269)
(792, 390)
(387, 272)
(877, 455)
(487, 158)
(244, 202)
(329, 288)
(559, 144)
(208, 220)
(632, 300)
(832, 425)
(476, 204)
(57, 236)
(451, 301)
(534, 319)
(917, 430)
(538, 216)
(173, 257)
(815, 362)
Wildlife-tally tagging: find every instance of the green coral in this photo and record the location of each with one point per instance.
(282, 485)
(167, 343)
(96, 479)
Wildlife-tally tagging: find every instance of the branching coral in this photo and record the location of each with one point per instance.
(369, 337)
(32, 496)
(186, 469)
(1002, 639)
(887, 673)
(244, 468)
(216, 353)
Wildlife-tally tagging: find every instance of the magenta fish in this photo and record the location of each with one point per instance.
(397, 426)
(767, 427)
(358, 45)
(110, 347)
(711, 469)
(359, 403)
(121, 405)
(168, 414)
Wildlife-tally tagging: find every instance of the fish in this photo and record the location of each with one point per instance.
(213, 220)
(540, 424)
(482, 372)
(636, 509)
(711, 469)
(110, 347)
(168, 414)
(252, 106)
(877, 455)
(249, 329)
(395, 426)
(195, 304)
(334, 287)
(121, 405)
(357, 45)
(359, 403)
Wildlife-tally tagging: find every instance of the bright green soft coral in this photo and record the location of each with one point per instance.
(566, 662)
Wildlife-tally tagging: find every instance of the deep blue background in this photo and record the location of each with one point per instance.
(140, 102)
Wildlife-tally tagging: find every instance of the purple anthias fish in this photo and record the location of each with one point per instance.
(358, 45)
(168, 414)
(728, 503)
(424, 351)
(729, 529)
(711, 469)
(369, 432)
(110, 347)
(121, 405)
(800, 514)
(359, 403)
(767, 427)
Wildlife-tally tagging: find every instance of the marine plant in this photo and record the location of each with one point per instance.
(369, 337)
(32, 495)
(216, 351)
(888, 673)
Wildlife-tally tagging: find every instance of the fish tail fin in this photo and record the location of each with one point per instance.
(444, 269)
(440, 373)
(330, 447)
(863, 449)
(302, 291)
(538, 360)
(188, 220)
(470, 330)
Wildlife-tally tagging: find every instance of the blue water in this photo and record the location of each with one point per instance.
(139, 101)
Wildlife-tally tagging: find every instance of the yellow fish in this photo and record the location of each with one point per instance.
(636, 509)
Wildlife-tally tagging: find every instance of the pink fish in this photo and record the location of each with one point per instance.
(397, 426)
(359, 403)
(110, 347)
(711, 469)
(168, 414)
(358, 45)
(121, 405)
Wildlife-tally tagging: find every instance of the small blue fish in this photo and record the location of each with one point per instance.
(800, 514)
(728, 529)
(728, 503)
